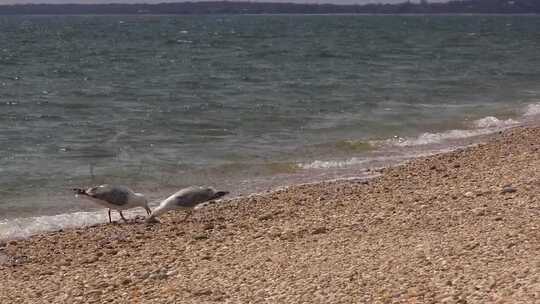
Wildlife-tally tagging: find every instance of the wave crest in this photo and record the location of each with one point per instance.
(494, 122)
(24, 227)
(532, 110)
(434, 138)
(322, 164)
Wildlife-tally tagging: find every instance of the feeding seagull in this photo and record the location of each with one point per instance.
(114, 197)
(187, 198)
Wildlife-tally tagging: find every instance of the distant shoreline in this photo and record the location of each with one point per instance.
(294, 14)
(471, 7)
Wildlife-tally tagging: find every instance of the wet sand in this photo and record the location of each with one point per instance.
(459, 227)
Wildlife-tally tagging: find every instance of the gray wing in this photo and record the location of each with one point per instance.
(115, 195)
(194, 196)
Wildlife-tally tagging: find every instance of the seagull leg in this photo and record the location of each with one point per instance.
(122, 216)
(110, 220)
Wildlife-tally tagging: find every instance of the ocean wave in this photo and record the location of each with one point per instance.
(322, 164)
(435, 138)
(532, 110)
(24, 227)
(483, 126)
(494, 122)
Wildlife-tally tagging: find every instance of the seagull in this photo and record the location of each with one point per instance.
(187, 198)
(114, 197)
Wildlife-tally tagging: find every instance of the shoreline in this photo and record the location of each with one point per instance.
(50, 223)
(47, 223)
(309, 174)
(447, 228)
(268, 175)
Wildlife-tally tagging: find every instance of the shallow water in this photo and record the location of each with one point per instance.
(245, 103)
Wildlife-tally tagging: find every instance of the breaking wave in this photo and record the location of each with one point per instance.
(494, 122)
(24, 227)
(483, 126)
(532, 110)
(321, 164)
(435, 138)
(479, 127)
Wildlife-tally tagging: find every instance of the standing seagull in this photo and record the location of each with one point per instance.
(188, 199)
(115, 197)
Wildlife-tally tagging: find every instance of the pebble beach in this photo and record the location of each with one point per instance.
(458, 227)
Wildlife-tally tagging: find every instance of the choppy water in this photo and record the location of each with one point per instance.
(245, 102)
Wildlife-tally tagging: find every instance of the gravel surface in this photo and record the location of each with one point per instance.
(459, 227)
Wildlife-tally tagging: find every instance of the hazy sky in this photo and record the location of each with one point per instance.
(159, 1)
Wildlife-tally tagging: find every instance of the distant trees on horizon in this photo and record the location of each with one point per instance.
(245, 7)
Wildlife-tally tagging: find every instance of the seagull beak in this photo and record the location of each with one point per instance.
(151, 220)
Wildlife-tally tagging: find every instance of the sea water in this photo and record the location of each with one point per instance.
(243, 103)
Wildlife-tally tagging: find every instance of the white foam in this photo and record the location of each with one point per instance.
(321, 164)
(337, 164)
(483, 126)
(434, 138)
(494, 122)
(25, 227)
(532, 110)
